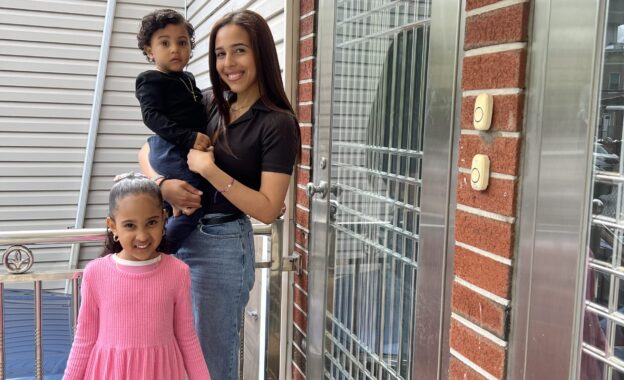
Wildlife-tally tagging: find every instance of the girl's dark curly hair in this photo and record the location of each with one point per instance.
(157, 20)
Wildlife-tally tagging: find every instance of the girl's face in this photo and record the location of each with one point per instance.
(236, 63)
(139, 224)
(170, 48)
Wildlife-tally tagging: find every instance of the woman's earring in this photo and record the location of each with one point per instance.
(115, 238)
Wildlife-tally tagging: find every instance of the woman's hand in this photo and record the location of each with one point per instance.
(200, 162)
(184, 198)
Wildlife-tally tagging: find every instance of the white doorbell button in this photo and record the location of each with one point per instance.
(480, 173)
(482, 117)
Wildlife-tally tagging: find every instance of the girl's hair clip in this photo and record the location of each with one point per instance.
(129, 175)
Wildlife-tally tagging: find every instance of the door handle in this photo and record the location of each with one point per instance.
(321, 189)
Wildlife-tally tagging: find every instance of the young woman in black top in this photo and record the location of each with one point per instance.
(256, 141)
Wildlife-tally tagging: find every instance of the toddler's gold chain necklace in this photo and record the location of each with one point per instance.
(189, 89)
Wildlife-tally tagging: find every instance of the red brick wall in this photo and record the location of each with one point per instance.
(495, 62)
(305, 99)
(495, 58)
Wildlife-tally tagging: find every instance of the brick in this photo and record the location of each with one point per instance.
(484, 233)
(296, 374)
(504, 152)
(303, 176)
(299, 359)
(298, 338)
(301, 237)
(302, 218)
(306, 69)
(302, 198)
(304, 158)
(306, 135)
(306, 48)
(479, 310)
(499, 197)
(483, 272)
(306, 25)
(507, 112)
(300, 319)
(307, 6)
(305, 92)
(505, 25)
(460, 371)
(473, 4)
(496, 70)
(304, 113)
(302, 280)
(300, 298)
(478, 349)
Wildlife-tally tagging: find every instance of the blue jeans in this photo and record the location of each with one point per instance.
(170, 161)
(221, 258)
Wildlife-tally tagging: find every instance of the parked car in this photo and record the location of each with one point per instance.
(605, 161)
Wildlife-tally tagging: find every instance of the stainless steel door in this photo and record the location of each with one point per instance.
(367, 190)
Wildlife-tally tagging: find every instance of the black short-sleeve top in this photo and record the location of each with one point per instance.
(261, 140)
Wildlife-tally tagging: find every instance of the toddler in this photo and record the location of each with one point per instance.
(171, 105)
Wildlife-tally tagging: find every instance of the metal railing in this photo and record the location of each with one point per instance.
(14, 261)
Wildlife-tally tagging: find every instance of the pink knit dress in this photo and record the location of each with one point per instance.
(136, 325)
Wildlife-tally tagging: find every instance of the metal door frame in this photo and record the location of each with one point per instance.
(430, 356)
(562, 97)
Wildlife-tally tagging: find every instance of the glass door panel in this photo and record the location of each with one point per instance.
(603, 323)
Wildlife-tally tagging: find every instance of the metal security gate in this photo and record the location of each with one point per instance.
(367, 190)
(603, 322)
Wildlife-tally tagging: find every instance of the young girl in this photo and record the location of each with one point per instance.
(136, 319)
(171, 105)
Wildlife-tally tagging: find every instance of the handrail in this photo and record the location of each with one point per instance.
(18, 259)
(79, 235)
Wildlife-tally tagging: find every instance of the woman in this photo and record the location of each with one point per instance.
(256, 142)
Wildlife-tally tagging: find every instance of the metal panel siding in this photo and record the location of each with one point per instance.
(47, 74)
(203, 14)
(121, 131)
(49, 54)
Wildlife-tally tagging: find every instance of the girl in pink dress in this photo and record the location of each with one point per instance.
(135, 319)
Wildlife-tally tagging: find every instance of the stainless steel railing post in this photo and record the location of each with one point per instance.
(1, 331)
(38, 341)
(75, 304)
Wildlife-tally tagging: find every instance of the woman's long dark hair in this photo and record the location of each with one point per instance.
(267, 67)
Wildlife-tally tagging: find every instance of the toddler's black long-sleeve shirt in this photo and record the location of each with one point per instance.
(171, 105)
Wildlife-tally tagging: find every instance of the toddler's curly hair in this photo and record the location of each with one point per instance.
(157, 20)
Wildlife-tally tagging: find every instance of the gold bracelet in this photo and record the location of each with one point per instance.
(229, 185)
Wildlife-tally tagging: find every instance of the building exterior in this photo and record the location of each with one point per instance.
(408, 271)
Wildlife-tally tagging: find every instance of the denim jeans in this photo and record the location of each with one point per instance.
(170, 161)
(221, 258)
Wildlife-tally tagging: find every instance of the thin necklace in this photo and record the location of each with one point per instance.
(189, 89)
(240, 109)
